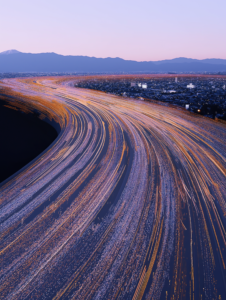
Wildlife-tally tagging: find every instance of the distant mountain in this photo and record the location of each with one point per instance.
(191, 60)
(10, 52)
(177, 60)
(15, 61)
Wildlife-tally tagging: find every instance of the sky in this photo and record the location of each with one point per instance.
(144, 30)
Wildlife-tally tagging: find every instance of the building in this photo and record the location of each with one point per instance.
(190, 86)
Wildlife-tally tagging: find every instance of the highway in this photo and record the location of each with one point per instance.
(129, 202)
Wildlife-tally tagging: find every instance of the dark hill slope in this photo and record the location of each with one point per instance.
(22, 138)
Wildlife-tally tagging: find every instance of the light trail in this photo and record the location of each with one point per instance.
(129, 202)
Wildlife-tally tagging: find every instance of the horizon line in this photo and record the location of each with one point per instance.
(5, 52)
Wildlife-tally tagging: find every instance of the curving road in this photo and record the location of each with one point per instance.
(129, 202)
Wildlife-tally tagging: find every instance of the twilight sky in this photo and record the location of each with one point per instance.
(137, 30)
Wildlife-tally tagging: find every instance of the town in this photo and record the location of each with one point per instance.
(198, 94)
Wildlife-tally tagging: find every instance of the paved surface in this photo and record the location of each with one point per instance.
(128, 203)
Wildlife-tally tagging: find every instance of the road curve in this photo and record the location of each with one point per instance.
(129, 202)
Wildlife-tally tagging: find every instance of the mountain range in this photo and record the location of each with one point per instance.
(15, 61)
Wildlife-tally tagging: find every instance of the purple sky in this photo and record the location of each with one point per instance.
(137, 30)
